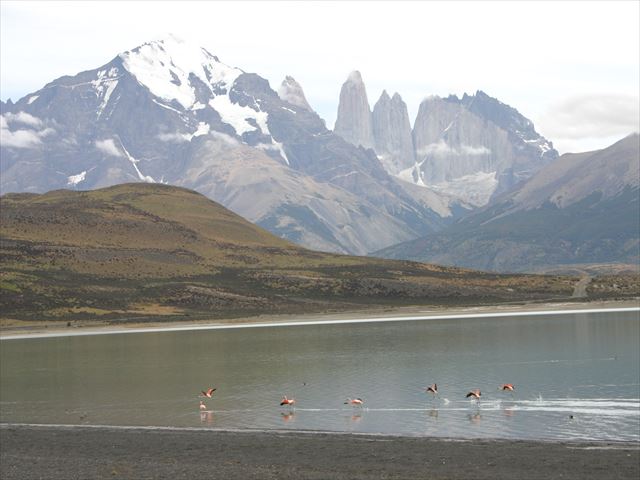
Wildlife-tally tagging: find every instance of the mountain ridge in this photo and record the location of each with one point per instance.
(144, 117)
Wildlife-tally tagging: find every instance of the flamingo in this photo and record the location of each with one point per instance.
(507, 386)
(474, 394)
(288, 401)
(202, 406)
(356, 402)
(433, 389)
(208, 393)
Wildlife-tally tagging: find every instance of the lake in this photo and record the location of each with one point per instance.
(576, 377)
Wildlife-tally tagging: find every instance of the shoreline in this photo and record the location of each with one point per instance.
(62, 452)
(34, 330)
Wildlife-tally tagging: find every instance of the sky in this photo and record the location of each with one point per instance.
(573, 67)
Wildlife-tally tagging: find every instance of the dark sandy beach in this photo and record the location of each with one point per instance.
(43, 452)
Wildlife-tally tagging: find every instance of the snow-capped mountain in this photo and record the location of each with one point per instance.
(169, 111)
(468, 149)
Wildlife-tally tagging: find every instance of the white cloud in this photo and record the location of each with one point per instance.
(441, 148)
(176, 137)
(473, 151)
(589, 122)
(19, 138)
(223, 137)
(47, 132)
(108, 146)
(23, 118)
(593, 116)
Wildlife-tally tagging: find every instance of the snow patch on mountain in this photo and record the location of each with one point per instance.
(166, 66)
(237, 115)
(543, 144)
(413, 174)
(274, 146)
(76, 179)
(104, 85)
(134, 162)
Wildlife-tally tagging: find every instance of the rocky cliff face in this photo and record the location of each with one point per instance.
(468, 149)
(460, 138)
(291, 91)
(392, 133)
(353, 122)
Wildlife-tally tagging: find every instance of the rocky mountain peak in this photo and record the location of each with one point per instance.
(353, 122)
(291, 91)
(392, 133)
(174, 69)
(355, 77)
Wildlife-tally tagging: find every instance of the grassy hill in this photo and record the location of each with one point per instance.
(148, 252)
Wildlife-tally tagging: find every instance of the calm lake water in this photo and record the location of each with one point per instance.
(586, 365)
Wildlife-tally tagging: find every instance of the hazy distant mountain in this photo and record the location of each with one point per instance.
(467, 149)
(171, 112)
(353, 122)
(291, 91)
(581, 209)
(392, 133)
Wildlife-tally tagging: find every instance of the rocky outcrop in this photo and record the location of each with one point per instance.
(392, 133)
(290, 91)
(468, 148)
(353, 122)
(461, 138)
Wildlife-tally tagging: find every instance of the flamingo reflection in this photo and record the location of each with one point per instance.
(475, 418)
(206, 416)
(287, 416)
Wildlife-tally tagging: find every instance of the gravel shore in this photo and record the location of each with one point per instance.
(60, 452)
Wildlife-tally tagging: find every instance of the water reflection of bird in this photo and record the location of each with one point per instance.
(475, 418)
(432, 389)
(206, 417)
(475, 393)
(287, 416)
(208, 393)
(287, 401)
(356, 402)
